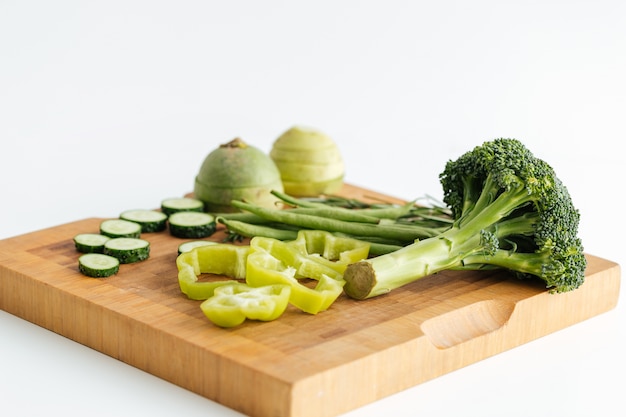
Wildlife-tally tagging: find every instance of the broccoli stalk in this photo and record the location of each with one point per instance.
(510, 211)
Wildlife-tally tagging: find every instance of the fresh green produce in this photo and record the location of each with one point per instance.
(175, 204)
(118, 242)
(266, 262)
(346, 208)
(510, 210)
(120, 228)
(222, 259)
(192, 244)
(191, 224)
(387, 227)
(98, 265)
(233, 303)
(90, 242)
(238, 230)
(150, 220)
(237, 171)
(307, 221)
(309, 162)
(127, 249)
(314, 254)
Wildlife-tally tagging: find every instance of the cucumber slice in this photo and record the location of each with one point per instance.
(90, 242)
(149, 220)
(191, 224)
(98, 265)
(120, 228)
(170, 206)
(127, 250)
(187, 246)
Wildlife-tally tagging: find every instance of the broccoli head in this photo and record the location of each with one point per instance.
(510, 211)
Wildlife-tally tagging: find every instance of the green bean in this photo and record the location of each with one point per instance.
(335, 213)
(378, 246)
(374, 239)
(250, 230)
(388, 211)
(377, 249)
(242, 217)
(297, 202)
(394, 231)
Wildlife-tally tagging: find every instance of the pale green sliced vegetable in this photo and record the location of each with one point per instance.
(309, 162)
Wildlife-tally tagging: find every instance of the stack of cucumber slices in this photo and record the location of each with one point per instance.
(119, 240)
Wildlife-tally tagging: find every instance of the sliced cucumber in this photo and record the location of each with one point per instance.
(192, 225)
(90, 242)
(120, 228)
(150, 220)
(98, 265)
(187, 246)
(127, 250)
(174, 205)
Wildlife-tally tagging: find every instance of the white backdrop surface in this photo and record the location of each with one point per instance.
(110, 105)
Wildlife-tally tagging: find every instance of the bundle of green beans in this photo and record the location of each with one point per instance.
(386, 226)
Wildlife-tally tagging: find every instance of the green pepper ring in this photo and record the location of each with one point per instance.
(266, 262)
(232, 304)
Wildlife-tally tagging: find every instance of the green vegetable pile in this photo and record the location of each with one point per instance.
(503, 208)
(386, 226)
(506, 209)
(119, 240)
(275, 273)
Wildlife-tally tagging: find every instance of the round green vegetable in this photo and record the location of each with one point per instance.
(98, 265)
(173, 205)
(309, 162)
(237, 171)
(191, 224)
(127, 249)
(90, 242)
(120, 228)
(149, 220)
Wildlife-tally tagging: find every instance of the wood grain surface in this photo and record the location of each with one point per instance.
(299, 365)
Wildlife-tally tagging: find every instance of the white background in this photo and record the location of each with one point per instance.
(110, 105)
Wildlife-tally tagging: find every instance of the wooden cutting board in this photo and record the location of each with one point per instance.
(299, 365)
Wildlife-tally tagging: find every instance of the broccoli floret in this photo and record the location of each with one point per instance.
(510, 211)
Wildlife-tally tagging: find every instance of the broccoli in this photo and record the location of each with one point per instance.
(510, 211)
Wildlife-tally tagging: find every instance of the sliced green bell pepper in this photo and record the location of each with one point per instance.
(269, 263)
(232, 304)
(336, 252)
(314, 254)
(222, 259)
